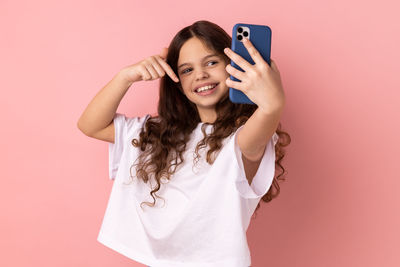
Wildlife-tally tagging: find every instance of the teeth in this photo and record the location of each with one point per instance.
(208, 87)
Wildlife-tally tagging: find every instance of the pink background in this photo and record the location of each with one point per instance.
(339, 62)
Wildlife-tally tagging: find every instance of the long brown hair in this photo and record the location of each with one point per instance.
(163, 138)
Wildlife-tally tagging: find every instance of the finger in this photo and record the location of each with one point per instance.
(167, 69)
(157, 67)
(274, 66)
(253, 52)
(152, 71)
(164, 53)
(235, 72)
(145, 74)
(234, 84)
(241, 62)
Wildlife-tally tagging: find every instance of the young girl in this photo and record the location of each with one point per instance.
(202, 165)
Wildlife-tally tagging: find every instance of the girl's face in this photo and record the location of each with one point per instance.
(199, 66)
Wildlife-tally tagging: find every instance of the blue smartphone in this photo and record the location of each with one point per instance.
(260, 37)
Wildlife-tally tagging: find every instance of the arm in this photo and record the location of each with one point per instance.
(101, 110)
(262, 84)
(253, 139)
(257, 131)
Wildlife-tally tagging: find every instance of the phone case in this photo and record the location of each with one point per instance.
(260, 37)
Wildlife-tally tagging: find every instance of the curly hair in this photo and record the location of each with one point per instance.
(163, 138)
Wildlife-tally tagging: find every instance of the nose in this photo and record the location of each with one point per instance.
(201, 74)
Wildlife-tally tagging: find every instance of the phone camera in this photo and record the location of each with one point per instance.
(242, 32)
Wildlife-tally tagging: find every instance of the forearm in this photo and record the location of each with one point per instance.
(101, 110)
(257, 131)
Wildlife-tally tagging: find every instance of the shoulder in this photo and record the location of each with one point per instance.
(127, 126)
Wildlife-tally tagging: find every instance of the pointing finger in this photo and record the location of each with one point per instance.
(167, 69)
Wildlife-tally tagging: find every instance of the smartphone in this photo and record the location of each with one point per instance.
(260, 37)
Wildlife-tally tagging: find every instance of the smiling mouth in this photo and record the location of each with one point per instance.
(208, 91)
(214, 85)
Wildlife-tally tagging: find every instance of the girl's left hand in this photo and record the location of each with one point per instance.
(260, 82)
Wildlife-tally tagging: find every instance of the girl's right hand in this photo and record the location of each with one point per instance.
(150, 68)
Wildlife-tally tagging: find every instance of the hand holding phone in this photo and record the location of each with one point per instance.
(260, 37)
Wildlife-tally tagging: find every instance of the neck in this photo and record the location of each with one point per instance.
(207, 115)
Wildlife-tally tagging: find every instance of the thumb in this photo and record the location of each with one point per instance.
(164, 52)
(274, 66)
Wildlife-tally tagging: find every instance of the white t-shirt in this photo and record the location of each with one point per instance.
(207, 208)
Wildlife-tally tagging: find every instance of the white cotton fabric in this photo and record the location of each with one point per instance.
(207, 208)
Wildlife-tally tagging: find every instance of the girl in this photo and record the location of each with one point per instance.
(209, 160)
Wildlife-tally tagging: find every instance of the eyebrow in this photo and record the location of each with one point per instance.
(212, 55)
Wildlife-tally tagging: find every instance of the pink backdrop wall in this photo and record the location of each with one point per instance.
(339, 62)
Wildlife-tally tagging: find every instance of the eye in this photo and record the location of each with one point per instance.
(185, 71)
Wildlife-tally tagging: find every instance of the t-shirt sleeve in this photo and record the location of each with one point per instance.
(265, 173)
(124, 129)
